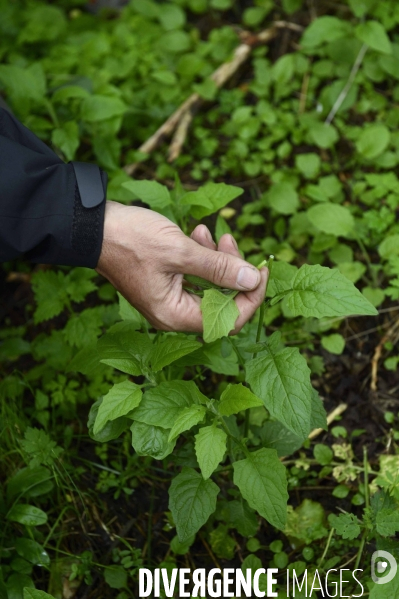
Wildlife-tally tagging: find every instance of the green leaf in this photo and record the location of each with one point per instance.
(171, 349)
(324, 136)
(236, 398)
(15, 585)
(31, 551)
(154, 194)
(331, 218)
(43, 23)
(389, 246)
(281, 278)
(191, 500)
(219, 314)
(322, 30)
(39, 446)
(239, 515)
(361, 7)
(124, 348)
(388, 590)
(387, 522)
(223, 545)
(374, 35)
(148, 440)
(67, 139)
(305, 523)
(323, 454)
(308, 164)
(116, 577)
(335, 343)
(29, 482)
(49, 289)
(119, 401)
(99, 108)
(187, 418)
(262, 481)
(322, 292)
(210, 447)
(274, 435)
(162, 405)
(283, 198)
(112, 430)
(210, 198)
(281, 378)
(30, 593)
(373, 141)
(346, 525)
(181, 548)
(318, 416)
(128, 312)
(87, 361)
(28, 515)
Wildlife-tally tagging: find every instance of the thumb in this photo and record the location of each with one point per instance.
(221, 268)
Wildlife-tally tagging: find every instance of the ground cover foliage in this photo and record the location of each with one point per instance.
(122, 447)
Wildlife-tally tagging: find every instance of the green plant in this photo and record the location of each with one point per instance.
(167, 406)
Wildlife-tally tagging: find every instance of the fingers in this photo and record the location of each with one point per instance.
(249, 302)
(202, 235)
(224, 268)
(228, 244)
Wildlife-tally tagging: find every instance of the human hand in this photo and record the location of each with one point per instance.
(144, 255)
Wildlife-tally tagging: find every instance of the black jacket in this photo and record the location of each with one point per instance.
(42, 202)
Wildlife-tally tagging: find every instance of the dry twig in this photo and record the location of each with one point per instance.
(330, 418)
(181, 119)
(377, 354)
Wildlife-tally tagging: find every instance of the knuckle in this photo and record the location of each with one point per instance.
(220, 268)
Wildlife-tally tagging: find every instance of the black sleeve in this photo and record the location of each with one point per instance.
(44, 215)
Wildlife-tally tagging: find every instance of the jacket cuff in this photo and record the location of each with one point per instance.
(75, 237)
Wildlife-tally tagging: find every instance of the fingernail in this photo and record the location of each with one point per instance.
(248, 278)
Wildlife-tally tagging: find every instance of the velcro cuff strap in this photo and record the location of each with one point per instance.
(88, 179)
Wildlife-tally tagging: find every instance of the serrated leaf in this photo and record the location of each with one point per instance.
(171, 349)
(281, 379)
(119, 401)
(162, 405)
(28, 515)
(387, 522)
(36, 594)
(210, 198)
(346, 525)
(39, 446)
(113, 428)
(210, 447)
(187, 418)
(148, 440)
(154, 194)
(219, 313)
(128, 312)
(280, 278)
(322, 292)
(331, 218)
(236, 398)
(262, 481)
(124, 348)
(191, 500)
(374, 35)
(49, 289)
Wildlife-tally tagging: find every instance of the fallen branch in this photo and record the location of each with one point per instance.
(181, 119)
(330, 418)
(377, 355)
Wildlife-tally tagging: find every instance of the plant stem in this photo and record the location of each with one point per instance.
(330, 536)
(367, 502)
